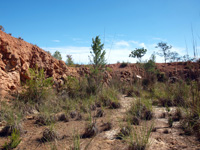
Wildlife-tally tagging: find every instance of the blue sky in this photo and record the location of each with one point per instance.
(123, 25)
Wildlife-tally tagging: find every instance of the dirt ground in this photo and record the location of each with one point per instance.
(163, 137)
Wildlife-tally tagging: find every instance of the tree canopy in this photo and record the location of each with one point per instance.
(57, 55)
(164, 50)
(97, 53)
(138, 53)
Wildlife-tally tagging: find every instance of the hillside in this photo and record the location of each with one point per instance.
(17, 56)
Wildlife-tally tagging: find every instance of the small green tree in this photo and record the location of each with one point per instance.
(138, 53)
(174, 56)
(187, 58)
(57, 55)
(98, 62)
(97, 58)
(150, 65)
(48, 52)
(165, 50)
(37, 87)
(69, 60)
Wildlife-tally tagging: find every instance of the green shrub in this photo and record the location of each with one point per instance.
(169, 94)
(76, 141)
(72, 87)
(93, 84)
(150, 67)
(12, 117)
(190, 122)
(109, 69)
(117, 84)
(14, 140)
(37, 88)
(109, 97)
(142, 109)
(123, 64)
(69, 60)
(132, 91)
(139, 139)
(161, 77)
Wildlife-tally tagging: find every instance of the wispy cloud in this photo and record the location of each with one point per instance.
(118, 52)
(79, 40)
(79, 54)
(159, 39)
(57, 41)
(76, 39)
(139, 44)
(179, 50)
(122, 43)
(120, 35)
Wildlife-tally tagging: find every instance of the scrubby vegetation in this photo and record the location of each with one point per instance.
(91, 97)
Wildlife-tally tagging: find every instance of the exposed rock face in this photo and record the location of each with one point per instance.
(17, 56)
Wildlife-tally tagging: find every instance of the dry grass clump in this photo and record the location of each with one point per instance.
(169, 94)
(99, 113)
(139, 139)
(141, 109)
(14, 140)
(13, 119)
(62, 117)
(124, 132)
(184, 95)
(90, 131)
(45, 119)
(105, 127)
(49, 134)
(109, 98)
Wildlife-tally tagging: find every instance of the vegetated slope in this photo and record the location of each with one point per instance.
(17, 56)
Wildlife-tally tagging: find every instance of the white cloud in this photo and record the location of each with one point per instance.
(138, 44)
(57, 41)
(76, 39)
(122, 43)
(159, 39)
(79, 54)
(120, 35)
(179, 50)
(118, 52)
(142, 45)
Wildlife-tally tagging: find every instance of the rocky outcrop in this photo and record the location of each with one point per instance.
(17, 56)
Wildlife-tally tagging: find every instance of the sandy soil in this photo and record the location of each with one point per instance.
(164, 138)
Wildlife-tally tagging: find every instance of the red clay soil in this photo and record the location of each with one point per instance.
(17, 56)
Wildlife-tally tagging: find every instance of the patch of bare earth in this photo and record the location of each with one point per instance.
(170, 138)
(163, 138)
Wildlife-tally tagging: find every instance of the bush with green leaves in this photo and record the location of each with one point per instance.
(139, 139)
(168, 93)
(69, 60)
(141, 109)
(57, 55)
(14, 140)
(138, 53)
(37, 87)
(76, 141)
(13, 117)
(123, 64)
(164, 50)
(109, 98)
(190, 122)
(97, 59)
